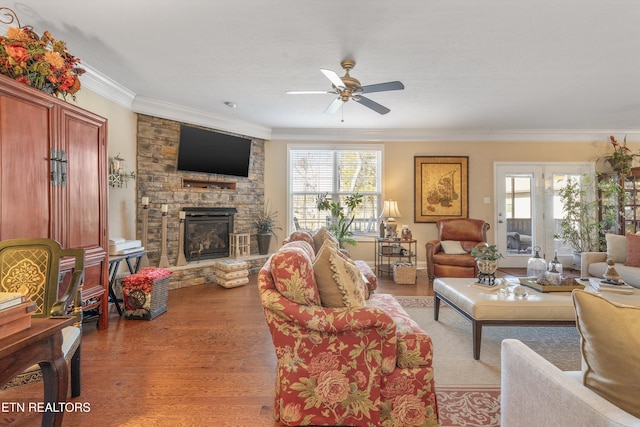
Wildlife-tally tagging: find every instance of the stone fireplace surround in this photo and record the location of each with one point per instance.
(158, 179)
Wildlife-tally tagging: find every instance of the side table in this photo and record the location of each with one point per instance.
(41, 343)
(390, 251)
(134, 261)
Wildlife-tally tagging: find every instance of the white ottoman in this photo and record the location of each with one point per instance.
(489, 308)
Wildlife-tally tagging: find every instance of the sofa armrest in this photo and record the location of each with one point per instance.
(533, 389)
(587, 258)
(336, 320)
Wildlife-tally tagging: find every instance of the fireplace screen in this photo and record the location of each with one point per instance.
(206, 232)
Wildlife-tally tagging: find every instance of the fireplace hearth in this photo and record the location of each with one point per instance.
(206, 232)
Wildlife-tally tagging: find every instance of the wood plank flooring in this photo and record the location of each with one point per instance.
(207, 361)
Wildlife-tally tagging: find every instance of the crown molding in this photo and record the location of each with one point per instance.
(450, 135)
(104, 86)
(167, 110)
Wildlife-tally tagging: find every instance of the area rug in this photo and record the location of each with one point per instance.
(468, 390)
(468, 406)
(452, 341)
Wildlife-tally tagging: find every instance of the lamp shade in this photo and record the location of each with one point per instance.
(390, 209)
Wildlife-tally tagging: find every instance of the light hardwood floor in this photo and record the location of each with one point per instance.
(207, 361)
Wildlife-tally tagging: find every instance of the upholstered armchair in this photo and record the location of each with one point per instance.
(457, 260)
(352, 366)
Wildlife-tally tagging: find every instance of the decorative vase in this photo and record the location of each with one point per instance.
(487, 266)
(264, 241)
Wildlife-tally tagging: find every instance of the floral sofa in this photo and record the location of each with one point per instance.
(363, 364)
(317, 239)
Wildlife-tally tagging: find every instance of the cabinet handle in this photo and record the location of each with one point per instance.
(63, 168)
(53, 166)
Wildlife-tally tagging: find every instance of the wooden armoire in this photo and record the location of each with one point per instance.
(53, 180)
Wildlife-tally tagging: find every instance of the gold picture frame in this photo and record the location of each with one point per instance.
(441, 188)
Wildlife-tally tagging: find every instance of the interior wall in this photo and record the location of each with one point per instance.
(398, 180)
(121, 139)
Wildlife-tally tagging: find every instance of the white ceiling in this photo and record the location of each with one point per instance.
(470, 67)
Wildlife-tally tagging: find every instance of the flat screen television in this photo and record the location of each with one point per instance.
(207, 151)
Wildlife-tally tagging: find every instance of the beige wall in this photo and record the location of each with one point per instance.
(398, 176)
(121, 139)
(397, 163)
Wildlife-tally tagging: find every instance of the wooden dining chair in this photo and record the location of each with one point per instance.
(52, 278)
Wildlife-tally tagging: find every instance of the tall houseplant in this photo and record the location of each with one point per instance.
(265, 224)
(579, 226)
(340, 220)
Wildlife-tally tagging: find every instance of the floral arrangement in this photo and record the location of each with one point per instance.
(40, 62)
(622, 158)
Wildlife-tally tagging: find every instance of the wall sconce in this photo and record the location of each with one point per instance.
(118, 176)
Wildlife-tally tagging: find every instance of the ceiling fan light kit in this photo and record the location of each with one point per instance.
(348, 87)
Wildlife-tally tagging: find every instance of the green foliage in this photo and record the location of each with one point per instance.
(580, 225)
(265, 221)
(340, 221)
(487, 253)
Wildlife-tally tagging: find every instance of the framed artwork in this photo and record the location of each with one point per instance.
(441, 188)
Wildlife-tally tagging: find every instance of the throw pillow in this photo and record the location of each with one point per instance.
(452, 247)
(339, 281)
(616, 247)
(293, 276)
(304, 236)
(610, 349)
(320, 236)
(633, 250)
(304, 245)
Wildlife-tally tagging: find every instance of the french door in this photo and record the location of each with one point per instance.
(528, 210)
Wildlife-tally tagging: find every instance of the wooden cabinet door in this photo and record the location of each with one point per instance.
(83, 139)
(26, 192)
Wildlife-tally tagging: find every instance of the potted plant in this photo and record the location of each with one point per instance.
(265, 224)
(580, 226)
(340, 221)
(622, 158)
(486, 258)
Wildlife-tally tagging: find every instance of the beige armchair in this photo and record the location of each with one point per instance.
(470, 233)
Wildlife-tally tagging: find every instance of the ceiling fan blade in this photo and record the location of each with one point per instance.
(334, 78)
(383, 87)
(334, 106)
(309, 92)
(381, 109)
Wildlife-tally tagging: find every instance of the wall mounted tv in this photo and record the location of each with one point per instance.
(207, 151)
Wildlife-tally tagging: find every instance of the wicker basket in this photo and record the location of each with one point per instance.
(145, 293)
(404, 273)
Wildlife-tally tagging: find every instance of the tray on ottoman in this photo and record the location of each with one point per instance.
(533, 284)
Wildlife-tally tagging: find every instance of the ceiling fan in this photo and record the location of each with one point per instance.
(347, 87)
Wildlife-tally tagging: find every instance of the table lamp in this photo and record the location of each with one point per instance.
(390, 212)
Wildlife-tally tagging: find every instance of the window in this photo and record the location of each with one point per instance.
(340, 172)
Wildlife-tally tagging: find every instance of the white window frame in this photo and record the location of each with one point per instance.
(336, 147)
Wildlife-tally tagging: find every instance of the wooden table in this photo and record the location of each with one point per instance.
(42, 344)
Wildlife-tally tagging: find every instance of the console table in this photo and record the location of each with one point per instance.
(42, 344)
(133, 260)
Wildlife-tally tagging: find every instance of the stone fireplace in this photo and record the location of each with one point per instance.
(239, 199)
(206, 232)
